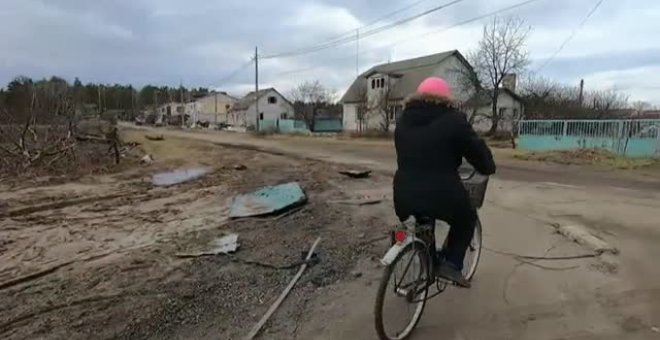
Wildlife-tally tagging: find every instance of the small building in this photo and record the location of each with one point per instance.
(376, 97)
(272, 106)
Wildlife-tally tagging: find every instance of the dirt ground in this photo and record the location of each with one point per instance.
(97, 257)
(608, 297)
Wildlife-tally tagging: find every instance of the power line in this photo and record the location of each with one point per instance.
(368, 33)
(351, 33)
(461, 23)
(234, 73)
(571, 36)
(458, 24)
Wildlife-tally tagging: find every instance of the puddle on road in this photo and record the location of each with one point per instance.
(177, 176)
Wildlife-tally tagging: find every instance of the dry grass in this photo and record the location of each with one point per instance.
(590, 157)
(170, 149)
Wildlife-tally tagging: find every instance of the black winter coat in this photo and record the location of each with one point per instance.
(431, 140)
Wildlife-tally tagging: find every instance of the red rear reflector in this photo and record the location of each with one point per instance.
(400, 235)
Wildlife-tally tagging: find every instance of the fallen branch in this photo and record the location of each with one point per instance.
(255, 330)
(358, 202)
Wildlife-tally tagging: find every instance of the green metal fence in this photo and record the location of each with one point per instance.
(634, 138)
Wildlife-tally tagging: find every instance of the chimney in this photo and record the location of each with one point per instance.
(509, 82)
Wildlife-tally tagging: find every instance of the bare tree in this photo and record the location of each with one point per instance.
(469, 82)
(363, 109)
(640, 106)
(501, 51)
(606, 102)
(383, 107)
(308, 98)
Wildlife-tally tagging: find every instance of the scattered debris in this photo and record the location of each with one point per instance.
(580, 235)
(268, 200)
(240, 167)
(154, 138)
(655, 329)
(356, 173)
(146, 160)
(255, 330)
(226, 244)
(177, 176)
(223, 245)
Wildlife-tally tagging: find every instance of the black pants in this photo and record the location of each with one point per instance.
(461, 231)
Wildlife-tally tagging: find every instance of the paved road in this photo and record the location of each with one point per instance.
(610, 297)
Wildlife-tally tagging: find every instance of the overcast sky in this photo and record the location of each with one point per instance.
(202, 42)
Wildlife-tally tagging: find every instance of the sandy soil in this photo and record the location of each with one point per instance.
(97, 257)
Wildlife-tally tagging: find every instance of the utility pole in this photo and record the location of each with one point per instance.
(357, 52)
(183, 104)
(98, 88)
(581, 97)
(133, 114)
(215, 98)
(256, 83)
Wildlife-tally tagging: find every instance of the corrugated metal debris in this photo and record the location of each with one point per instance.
(268, 200)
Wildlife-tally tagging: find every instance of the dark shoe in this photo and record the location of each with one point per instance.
(447, 271)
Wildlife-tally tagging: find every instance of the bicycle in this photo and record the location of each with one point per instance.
(411, 246)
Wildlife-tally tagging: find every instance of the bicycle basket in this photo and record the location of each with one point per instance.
(476, 188)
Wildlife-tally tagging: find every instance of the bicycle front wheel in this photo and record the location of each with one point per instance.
(402, 294)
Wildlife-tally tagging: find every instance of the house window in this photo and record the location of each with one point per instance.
(515, 113)
(261, 116)
(502, 111)
(382, 83)
(283, 115)
(373, 83)
(272, 100)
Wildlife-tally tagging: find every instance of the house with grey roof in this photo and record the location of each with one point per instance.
(272, 106)
(510, 107)
(375, 99)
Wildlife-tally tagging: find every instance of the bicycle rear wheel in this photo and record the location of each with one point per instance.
(406, 281)
(473, 253)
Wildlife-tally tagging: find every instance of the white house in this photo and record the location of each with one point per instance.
(510, 107)
(376, 97)
(272, 106)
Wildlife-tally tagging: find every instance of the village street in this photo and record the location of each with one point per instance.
(607, 297)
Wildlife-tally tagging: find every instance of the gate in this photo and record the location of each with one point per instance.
(633, 138)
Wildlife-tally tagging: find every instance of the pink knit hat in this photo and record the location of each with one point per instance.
(435, 86)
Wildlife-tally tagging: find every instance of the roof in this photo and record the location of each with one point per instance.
(245, 102)
(410, 73)
(482, 98)
(211, 95)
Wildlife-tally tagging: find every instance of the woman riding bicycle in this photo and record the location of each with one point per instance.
(431, 139)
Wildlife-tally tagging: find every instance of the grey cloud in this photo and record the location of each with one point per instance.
(201, 41)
